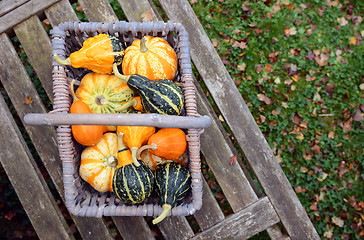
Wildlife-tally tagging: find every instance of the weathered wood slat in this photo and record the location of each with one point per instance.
(24, 11)
(28, 182)
(242, 124)
(175, 227)
(59, 12)
(244, 224)
(98, 10)
(137, 10)
(135, 228)
(38, 48)
(7, 5)
(210, 212)
(19, 86)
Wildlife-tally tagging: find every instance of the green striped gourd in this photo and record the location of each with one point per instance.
(157, 96)
(133, 184)
(172, 184)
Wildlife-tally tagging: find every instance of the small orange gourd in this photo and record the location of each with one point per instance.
(167, 143)
(101, 53)
(87, 135)
(134, 137)
(151, 57)
(99, 162)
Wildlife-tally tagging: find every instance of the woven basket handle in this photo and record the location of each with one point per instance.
(112, 119)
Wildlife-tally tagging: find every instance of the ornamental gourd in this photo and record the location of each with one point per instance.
(135, 137)
(87, 135)
(172, 184)
(99, 162)
(159, 96)
(152, 161)
(151, 57)
(167, 143)
(99, 54)
(104, 93)
(130, 183)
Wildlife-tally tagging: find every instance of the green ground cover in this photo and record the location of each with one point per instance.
(299, 67)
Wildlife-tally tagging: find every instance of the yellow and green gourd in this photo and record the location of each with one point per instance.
(172, 184)
(130, 183)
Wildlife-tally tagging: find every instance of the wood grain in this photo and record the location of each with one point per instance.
(98, 10)
(38, 48)
(241, 122)
(59, 12)
(135, 228)
(175, 228)
(28, 182)
(8, 5)
(24, 11)
(243, 224)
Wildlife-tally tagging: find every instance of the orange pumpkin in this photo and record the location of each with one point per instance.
(151, 57)
(99, 162)
(134, 137)
(87, 135)
(167, 143)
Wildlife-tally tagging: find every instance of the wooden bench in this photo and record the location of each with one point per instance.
(276, 209)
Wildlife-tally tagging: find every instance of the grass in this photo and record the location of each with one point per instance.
(299, 67)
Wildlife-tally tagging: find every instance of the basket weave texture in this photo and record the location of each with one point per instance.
(81, 199)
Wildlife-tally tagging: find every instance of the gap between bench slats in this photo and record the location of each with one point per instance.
(18, 86)
(241, 122)
(28, 182)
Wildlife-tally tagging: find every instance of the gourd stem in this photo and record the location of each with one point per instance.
(143, 47)
(100, 100)
(112, 161)
(118, 74)
(62, 61)
(134, 156)
(75, 98)
(152, 146)
(166, 209)
(130, 103)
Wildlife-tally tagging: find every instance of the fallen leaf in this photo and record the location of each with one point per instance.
(46, 21)
(232, 160)
(262, 119)
(193, 2)
(221, 118)
(237, 31)
(264, 98)
(241, 67)
(292, 31)
(147, 16)
(347, 125)
(28, 100)
(9, 215)
(299, 189)
(353, 41)
(338, 221)
(322, 176)
(321, 59)
(268, 68)
(259, 68)
(331, 135)
(342, 21)
(79, 8)
(303, 169)
(296, 77)
(317, 96)
(215, 43)
(316, 149)
(329, 233)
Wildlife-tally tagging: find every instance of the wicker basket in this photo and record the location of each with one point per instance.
(81, 198)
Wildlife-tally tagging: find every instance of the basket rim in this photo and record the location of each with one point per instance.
(66, 147)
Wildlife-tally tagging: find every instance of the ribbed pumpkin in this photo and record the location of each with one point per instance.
(99, 162)
(130, 183)
(159, 96)
(99, 54)
(172, 184)
(87, 135)
(104, 93)
(151, 57)
(167, 143)
(135, 137)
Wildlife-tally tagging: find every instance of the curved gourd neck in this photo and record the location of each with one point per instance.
(166, 209)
